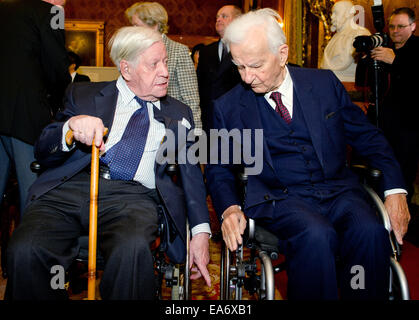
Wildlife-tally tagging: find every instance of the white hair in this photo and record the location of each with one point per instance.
(268, 18)
(129, 42)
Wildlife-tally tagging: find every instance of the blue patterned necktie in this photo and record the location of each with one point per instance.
(125, 156)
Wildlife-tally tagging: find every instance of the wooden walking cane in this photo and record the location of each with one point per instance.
(94, 184)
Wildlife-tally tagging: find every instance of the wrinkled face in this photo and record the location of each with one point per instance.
(400, 29)
(224, 16)
(258, 66)
(149, 78)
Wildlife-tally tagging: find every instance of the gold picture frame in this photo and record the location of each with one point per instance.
(86, 38)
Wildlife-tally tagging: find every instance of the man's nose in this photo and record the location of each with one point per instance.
(249, 76)
(164, 72)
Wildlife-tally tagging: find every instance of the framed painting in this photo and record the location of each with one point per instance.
(85, 38)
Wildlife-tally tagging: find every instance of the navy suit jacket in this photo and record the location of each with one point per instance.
(333, 122)
(99, 99)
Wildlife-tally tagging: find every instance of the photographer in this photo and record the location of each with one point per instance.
(399, 111)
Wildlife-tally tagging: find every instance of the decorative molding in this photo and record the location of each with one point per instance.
(322, 9)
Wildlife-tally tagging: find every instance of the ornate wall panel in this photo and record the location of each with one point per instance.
(185, 17)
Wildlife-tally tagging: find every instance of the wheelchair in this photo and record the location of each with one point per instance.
(257, 273)
(175, 276)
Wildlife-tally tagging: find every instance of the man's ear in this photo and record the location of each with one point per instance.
(413, 26)
(283, 54)
(125, 68)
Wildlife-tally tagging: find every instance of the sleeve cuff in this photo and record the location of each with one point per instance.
(64, 146)
(394, 191)
(199, 228)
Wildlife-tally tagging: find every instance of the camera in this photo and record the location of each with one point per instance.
(379, 39)
(367, 43)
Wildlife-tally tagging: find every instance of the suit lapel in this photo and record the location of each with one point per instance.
(251, 119)
(303, 94)
(163, 114)
(106, 104)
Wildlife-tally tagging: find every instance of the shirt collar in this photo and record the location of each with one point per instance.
(73, 75)
(127, 95)
(285, 89)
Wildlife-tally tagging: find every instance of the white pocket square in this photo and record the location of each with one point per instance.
(186, 123)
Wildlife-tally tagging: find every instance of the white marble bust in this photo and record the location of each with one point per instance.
(339, 53)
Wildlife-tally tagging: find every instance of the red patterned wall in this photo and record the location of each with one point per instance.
(186, 17)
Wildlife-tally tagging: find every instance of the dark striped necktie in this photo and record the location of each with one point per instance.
(280, 108)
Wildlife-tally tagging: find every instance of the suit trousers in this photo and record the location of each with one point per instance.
(14, 152)
(405, 143)
(334, 244)
(48, 233)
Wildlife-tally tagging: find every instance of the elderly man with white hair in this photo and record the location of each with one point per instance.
(305, 194)
(132, 184)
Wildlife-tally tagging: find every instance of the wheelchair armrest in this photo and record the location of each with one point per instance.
(367, 172)
(259, 236)
(172, 169)
(35, 167)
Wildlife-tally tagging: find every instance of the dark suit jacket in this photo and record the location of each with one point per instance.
(333, 122)
(99, 99)
(400, 110)
(215, 78)
(34, 68)
(81, 78)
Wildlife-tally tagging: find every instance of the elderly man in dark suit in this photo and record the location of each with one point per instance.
(133, 183)
(305, 193)
(33, 78)
(216, 73)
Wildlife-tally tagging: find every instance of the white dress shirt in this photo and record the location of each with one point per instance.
(287, 93)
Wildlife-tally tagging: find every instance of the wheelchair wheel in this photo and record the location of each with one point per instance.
(181, 290)
(267, 284)
(399, 288)
(398, 285)
(238, 274)
(177, 292)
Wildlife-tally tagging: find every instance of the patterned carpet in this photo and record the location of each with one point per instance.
(200, 291)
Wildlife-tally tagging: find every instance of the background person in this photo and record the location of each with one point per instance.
(75, 62)
(183, 83)
(33, 77)
(400, 111)
(216, 72)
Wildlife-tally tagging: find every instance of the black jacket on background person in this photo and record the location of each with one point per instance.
(398, 109)
(34, 68)
(215, 78)
(400, 104)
